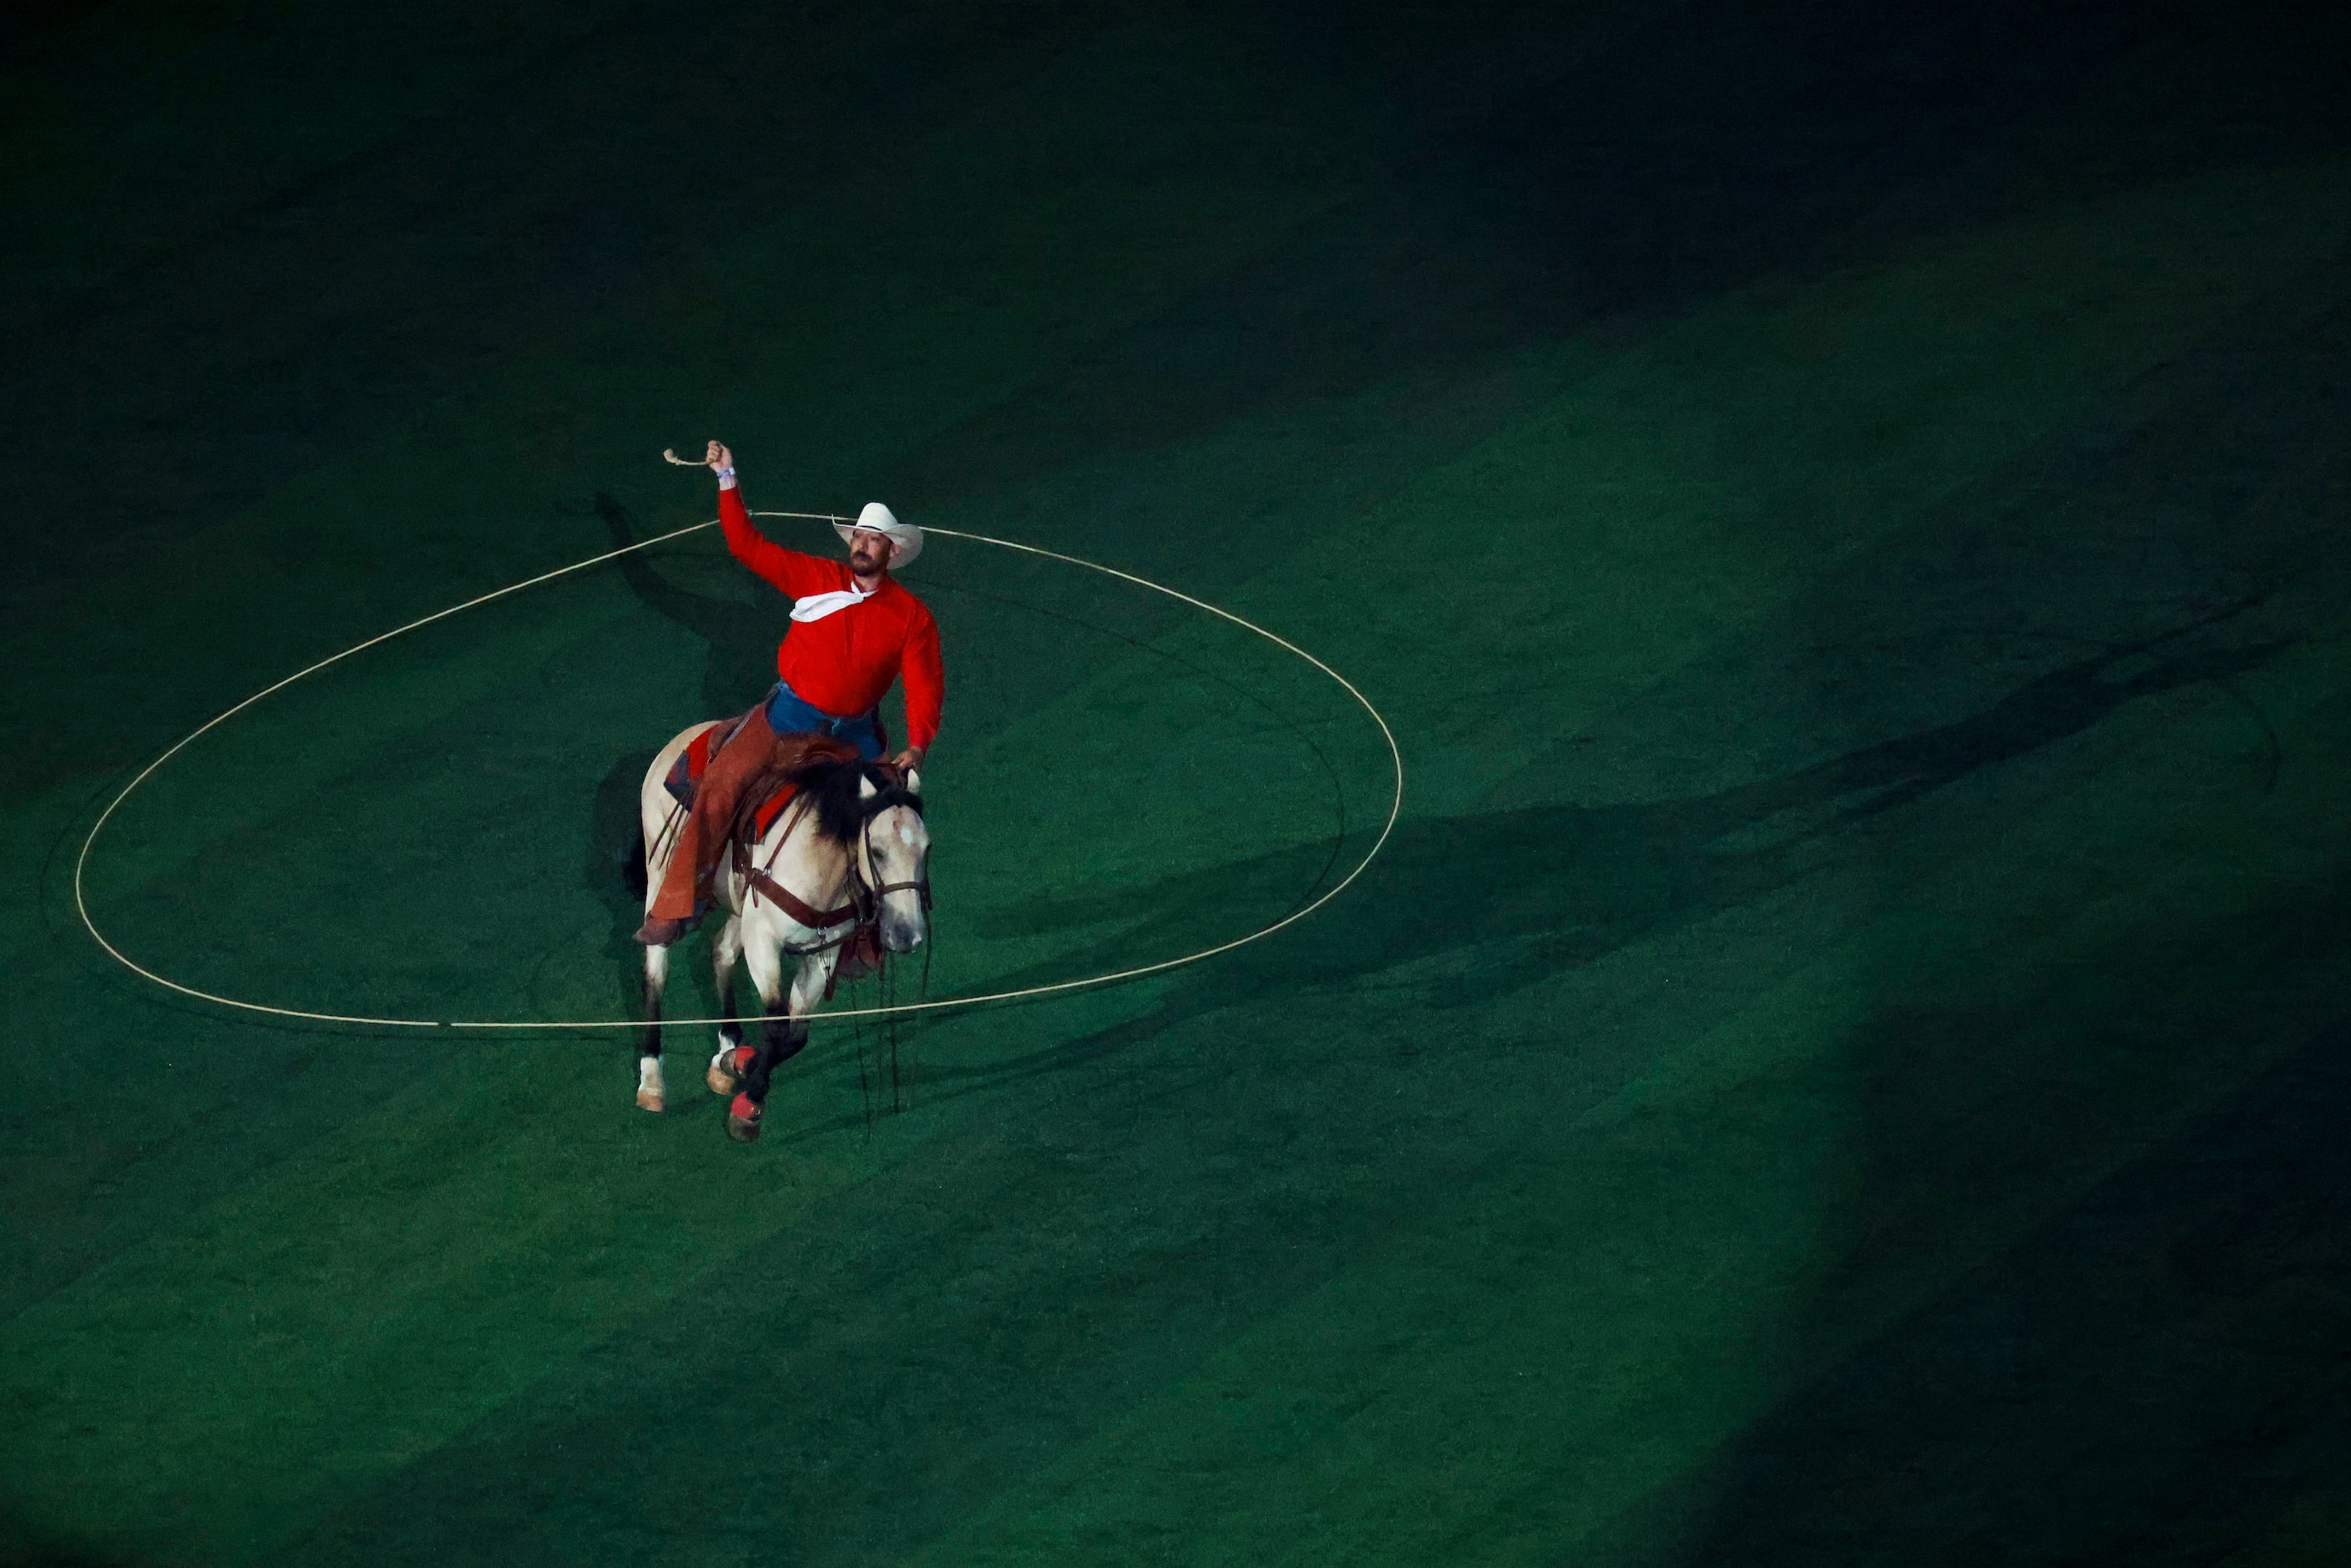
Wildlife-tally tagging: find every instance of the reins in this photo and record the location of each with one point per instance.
(865, 895)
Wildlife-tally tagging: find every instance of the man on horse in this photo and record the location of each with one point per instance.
(854, 632)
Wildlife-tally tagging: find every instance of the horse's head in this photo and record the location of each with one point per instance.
(893, 858)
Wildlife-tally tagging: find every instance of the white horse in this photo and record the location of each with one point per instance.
(850, 848)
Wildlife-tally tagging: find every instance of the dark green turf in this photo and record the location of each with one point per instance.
(1839, 1061)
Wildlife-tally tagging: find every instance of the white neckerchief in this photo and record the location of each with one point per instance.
(816, 606)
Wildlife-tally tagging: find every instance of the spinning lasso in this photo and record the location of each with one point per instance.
(1395, 805)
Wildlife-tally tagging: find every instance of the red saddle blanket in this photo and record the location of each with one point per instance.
(686, 772)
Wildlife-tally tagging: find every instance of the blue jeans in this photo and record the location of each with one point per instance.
(788, 713)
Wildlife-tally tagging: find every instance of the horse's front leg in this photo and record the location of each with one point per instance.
(649, 1048)
(729, 1064)
(783, 1031)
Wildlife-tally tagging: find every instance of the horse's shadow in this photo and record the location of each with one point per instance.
(611, 844)
(1529, 892)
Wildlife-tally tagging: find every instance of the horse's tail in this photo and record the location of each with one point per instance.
(633, 865)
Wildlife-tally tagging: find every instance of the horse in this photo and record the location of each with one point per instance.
(849, 851)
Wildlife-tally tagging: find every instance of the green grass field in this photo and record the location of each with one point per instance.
(1842, 1058)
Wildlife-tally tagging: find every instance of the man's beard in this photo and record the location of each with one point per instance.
(864, 562)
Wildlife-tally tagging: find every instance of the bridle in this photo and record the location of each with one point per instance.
(865, 895)
(861, 868)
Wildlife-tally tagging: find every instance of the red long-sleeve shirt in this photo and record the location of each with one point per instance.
(844, 662)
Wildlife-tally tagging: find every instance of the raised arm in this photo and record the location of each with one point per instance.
(791, 571)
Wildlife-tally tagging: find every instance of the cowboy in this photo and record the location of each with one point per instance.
(854, 632)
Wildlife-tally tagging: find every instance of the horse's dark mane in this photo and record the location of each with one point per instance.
(833, 784)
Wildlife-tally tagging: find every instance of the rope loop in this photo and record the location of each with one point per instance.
(1396, 806)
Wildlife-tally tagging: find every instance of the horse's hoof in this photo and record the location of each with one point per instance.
(721, 1081)
(743, 1120)
(648, 1100)
(727, 1068)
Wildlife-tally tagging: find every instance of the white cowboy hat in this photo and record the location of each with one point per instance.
(905, 539)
